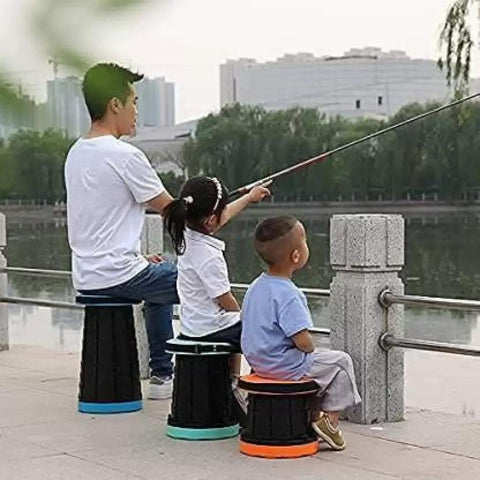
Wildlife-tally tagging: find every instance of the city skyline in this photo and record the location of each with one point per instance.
(186, 41)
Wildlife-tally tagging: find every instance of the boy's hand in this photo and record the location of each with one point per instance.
(257, 194)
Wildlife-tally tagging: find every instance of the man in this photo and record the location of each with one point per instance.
(108, 184)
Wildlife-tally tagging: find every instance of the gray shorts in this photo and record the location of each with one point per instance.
(333, 371)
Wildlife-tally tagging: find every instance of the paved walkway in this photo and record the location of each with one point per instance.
(43, 437)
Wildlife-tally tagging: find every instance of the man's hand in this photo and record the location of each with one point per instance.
(154, 258)
(257, 194)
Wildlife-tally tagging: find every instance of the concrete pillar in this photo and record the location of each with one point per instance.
(366, 253)
(152, 242)
(4, 342)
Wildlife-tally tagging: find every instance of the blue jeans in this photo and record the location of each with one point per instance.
(156, 286)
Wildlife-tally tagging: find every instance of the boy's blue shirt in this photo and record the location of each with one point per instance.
(273, 311)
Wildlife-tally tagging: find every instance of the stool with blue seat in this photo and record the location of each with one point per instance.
(109, 371)
(202, 402)
(278, 418)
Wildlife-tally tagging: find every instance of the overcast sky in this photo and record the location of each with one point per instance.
(186, 40)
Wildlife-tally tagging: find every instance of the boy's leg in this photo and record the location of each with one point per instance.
(333, 371)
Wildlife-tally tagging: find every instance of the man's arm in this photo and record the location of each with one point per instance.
(159, 202)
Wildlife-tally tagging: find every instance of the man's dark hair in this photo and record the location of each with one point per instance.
(268, 234)
(105, 81)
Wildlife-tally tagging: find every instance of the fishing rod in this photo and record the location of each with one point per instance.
(320, 158)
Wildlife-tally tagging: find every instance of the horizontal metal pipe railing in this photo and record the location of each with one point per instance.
(387, 298)
(311, 292)
(35, 272)
(388, 341)
(75, 306)
(41, 303)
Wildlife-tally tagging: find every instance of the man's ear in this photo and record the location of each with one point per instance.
(114, 104)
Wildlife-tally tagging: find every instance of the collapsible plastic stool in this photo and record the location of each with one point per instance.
(109, 372)
(202, 402)
(278, 423)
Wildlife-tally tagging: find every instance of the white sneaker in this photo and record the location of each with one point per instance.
(160, 388)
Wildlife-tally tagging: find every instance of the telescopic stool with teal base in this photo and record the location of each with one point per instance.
(202, 402)
(109, 372)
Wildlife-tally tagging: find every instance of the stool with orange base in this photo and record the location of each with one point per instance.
(278, 424)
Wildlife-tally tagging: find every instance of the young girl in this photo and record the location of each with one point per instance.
(208, 309)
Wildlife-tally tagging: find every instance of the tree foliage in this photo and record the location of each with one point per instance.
(32, 165)
(435, 156)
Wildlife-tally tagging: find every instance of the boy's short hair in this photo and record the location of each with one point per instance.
(272, 238)
(105, 81)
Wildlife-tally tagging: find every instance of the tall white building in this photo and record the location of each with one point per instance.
(67, 110)
(65, 105)
(156, 103)
(362, 82)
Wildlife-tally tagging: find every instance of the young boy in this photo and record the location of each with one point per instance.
(275, 337)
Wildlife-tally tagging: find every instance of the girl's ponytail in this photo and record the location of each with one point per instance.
(174, 220)
(199, 198)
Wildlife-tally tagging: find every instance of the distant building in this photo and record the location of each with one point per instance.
(65, 106)
(23, 115)
(362, 83)
(163, 145)
(156, 103)
(66, 109)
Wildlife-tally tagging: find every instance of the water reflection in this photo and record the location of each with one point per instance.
(442, 259)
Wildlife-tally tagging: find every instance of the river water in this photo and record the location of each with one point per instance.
(442, 259)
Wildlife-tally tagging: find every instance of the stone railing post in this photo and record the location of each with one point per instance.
(366, 254)
(3, 286)
(152, 242)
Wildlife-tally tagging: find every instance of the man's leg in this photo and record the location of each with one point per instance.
(158, 319)
(156, 285)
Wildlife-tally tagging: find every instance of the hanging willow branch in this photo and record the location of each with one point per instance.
(456, 46)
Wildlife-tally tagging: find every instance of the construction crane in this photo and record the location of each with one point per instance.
(55, 63)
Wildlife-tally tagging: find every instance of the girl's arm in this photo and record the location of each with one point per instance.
(255, 195)
(228, 302)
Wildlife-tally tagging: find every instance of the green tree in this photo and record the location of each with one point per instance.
(35, 162)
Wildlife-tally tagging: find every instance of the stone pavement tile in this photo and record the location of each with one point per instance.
(420, 428)
(60, 467)
(82, 432)
(403, 460)
(219, 460)
(461, 443)
(14, 448)
(26, 406)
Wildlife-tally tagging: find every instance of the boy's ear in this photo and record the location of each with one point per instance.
(295, 256)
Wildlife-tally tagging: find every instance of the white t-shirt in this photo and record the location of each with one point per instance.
(107, 181)
(202, 277)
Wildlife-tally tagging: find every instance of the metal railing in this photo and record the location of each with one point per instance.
(41, 303)
(387, 298)
(37, 272)
(387, 341)
(311, 292)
